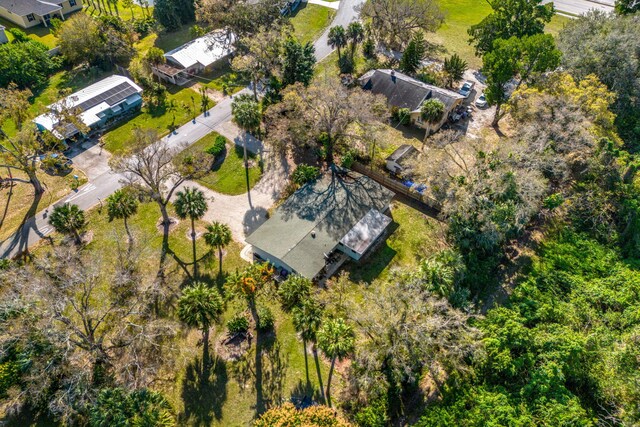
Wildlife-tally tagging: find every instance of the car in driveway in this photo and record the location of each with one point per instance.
(481, 102)
(466, 88)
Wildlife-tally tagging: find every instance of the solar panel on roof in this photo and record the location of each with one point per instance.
(111, 96)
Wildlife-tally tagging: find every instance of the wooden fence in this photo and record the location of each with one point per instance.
(397, 186)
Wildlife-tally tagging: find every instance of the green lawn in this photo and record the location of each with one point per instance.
(178, 111)
(413, 236)
(462, 14)
(310, 20)
(39, 33)
(228, 396)
(229, 176)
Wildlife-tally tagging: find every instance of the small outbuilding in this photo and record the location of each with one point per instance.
(3, 35)
(341, 213)
(398, 161)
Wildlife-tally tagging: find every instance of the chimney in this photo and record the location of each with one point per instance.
(393, 76)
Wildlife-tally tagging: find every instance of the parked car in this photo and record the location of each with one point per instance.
(481, 102)
(466, 88)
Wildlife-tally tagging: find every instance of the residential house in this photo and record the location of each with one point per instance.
(98, 105)
(403, 91)
(400, 159)
(197, 56)
(3, 35)
(29, 13)
(340, 216)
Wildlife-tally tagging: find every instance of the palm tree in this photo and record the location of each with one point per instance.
(432, 111)
(336, 340)
(294, 291)
(246, 114)
(68, 219)
(199, 307)
(307, 317)
(191, 204)
(355, 34)
(454, 68)
(337, 38)
(122, 205)
(218, 235)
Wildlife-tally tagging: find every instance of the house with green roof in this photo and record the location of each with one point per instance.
(343, 214)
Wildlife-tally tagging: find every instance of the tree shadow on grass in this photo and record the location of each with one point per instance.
(19, 243)
(204, 391)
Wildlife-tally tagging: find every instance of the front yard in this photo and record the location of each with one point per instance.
(227, 175)
(310, 20)
(177, 111)
(19, 202)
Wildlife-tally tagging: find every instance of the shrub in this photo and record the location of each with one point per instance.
(304, 173)
(348, 159)
(218, 147)
(238, 323)
(346, 64)
(19, 36)
(143, 26)
(553, 201)
(369, 48)
(9, 373)
(401, 115)
(265, 319)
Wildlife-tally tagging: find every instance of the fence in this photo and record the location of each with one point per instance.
(397, 186)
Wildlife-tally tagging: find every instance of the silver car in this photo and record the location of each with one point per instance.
(481, 102)
(466, 89)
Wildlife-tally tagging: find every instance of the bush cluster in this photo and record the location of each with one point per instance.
(218, 147)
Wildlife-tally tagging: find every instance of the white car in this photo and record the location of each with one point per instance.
(466, 88)
(481, 102)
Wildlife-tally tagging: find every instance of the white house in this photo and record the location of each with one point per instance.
(97, 105)
(195, 57)
(29, 13)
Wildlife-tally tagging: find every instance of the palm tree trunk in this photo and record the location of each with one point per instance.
(193, 243)
(339, 54)
(318, 372)
(220, 258)
(205, 349)
(333, 363)
(76, 237)
(306, 361)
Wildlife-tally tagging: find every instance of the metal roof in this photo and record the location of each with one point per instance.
(403, 91)
(92, 101)
(25, 7)
(311, 223)
(366, 231)
(204, 50)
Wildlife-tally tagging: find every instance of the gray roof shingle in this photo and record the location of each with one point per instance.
(25, 7)
(311, 222)
(403, 91)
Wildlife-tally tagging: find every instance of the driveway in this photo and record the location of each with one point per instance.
(580, 7)
(346, 13)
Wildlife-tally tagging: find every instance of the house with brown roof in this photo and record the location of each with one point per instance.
(29, 13)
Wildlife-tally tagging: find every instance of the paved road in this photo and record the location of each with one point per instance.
(345, 14)
(580, 7)
(103, 182)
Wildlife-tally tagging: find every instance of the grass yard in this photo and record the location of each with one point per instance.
(235, 390)
(328, 67)
(413, 236)
(39, 33)
(19, 202)
(310, 20)
(178, 110)
(462, 14)
(229, 176)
